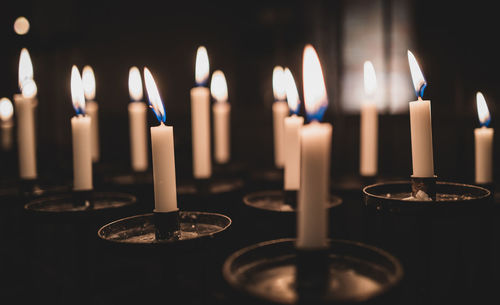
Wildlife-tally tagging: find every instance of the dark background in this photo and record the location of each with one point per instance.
(456, 45)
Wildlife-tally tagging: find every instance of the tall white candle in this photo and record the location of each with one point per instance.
(25, 104)
(312, 218)
(483, 138)
(6, 124)
(137, 123)
(92, 110)
(200, 118)
(280, 111)
(421, 125)
(162, 147)
(369, 125)
(292, 126)
(81, 136)
(221, 110)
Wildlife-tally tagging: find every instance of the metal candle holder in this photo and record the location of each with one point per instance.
(439, 240)
(346, 272)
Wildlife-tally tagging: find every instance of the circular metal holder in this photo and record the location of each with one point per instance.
(275, 201)
(444, 243)
(275, 272)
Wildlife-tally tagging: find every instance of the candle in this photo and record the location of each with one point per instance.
(200, 118)
(483, 138)
(421, 126)
(162, 146)
(315, 137)
(6, 111)
(25, 104)
(280, 111)
(137, 122)
(91, 109)
(369, 125)
(292, 125)
(221, 110)
(81, 135)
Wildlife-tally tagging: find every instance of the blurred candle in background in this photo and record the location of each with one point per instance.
(421, 125)
(292, 125)
(6, 124)
(280, 111)
(137, 122)
(369, 125)
(162, 147)
(92, 108)
(221, 111)
(316, 141)
(25, 104)
(81, 136)
(200, 118)
(483, 138)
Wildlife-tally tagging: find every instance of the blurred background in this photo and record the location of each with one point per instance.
(455, 45)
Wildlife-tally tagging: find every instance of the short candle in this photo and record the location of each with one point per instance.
(162, 147)
(92, 109)
(483, 140)
(137, 123)
(221, 110)
(369, 125)
(200, 118)
(6, 124)
(280, 111)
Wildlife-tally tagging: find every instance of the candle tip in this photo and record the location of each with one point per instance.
(482, 110)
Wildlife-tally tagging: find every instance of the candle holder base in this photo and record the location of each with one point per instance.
(166, 225)
(30, 188)
(274, 272)
(79, 204)
(423, 188)
(140, 231)
(276, 201)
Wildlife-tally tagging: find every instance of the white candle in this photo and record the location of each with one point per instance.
(221, 110)
(6, 124)
(25, 104)
(91, 109)
(200, 118)
(421, 125)
(292, 126)
(280, 111)
(162, 147)
(81, 136)
(137, 123)
(369, 125)
(312, 216)
(483, 138)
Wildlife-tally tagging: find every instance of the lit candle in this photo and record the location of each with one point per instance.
(421, 125)
(91, 109)
(221, 111)
(369, 125)
(6, 111)
(25, 104)
(137, 122)
(81, 134)
(483, 138)
(292, 125)
(280, 111)
(200, 118)
(162, 146)
(316, 140)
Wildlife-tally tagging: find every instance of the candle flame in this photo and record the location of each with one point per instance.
(482, 110)
(370, 78)
(218, 86)
(29, 89)
(315, 98)
(6, 109)
(202, 67)
(25, 68)
(154, 96)
(21, 25)
(88, 80)
(279, 83)
(135, 84)
(77, 95)
(419, 82)
(292, 95)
